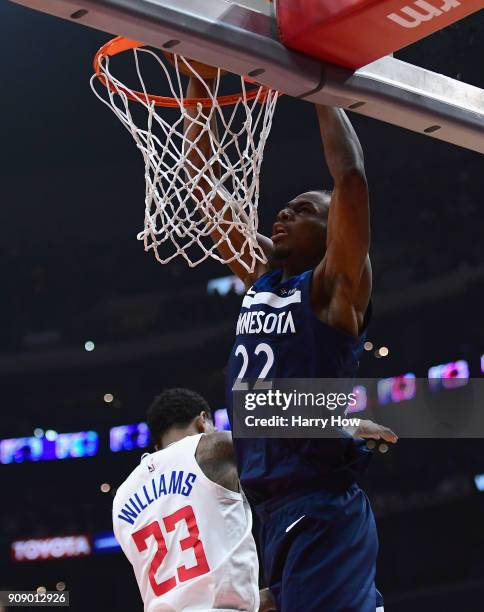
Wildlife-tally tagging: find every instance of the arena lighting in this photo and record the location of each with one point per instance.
(105, 487)
(51, 435)
(479, 482)
(368, 346)
(449, 375)
(383, 351)
(127, 437)
(50, 548)
(221, 420)
(108, 398)
(361, 399)
(19, 450)
(78, 444)
(41, 589)
(105, 542)
(38, 432)
(396, 389)
(89, 346)
(60, 586)
(224, 285)
(64, 446)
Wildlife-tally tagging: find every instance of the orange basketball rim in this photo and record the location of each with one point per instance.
(120, 44)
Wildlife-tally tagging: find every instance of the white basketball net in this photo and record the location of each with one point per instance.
(179, 214)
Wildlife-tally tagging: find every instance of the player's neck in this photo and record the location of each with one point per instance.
(294, 267)
(175, 435)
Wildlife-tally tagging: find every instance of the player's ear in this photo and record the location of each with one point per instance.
(157, 445)
(209, 426)
(200, 421)
(203, 423)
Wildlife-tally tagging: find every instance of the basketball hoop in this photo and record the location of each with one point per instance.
(180, 216)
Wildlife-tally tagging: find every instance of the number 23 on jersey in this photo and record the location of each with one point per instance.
(192, 541)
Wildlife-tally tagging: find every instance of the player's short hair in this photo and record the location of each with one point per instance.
(174, 408)
(326, 192)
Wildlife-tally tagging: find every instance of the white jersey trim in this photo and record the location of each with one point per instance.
(271, 299)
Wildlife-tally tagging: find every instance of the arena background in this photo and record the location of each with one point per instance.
(72, 273)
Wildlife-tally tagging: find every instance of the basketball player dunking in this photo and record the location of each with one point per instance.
(181, 518)
(318, 537)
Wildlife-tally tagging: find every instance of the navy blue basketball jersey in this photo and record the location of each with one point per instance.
(279, 336)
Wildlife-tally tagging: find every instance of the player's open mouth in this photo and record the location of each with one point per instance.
(278, 231)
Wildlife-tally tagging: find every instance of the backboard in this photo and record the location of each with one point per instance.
(242, 37)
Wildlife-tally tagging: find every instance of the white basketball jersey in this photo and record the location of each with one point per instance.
(188, 539)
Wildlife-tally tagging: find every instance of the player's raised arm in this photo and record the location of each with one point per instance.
(197, 157)
(344, 273)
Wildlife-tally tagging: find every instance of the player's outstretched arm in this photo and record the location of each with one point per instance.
(345, 270)
(197, 158)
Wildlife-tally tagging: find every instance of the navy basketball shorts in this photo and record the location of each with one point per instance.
(319, 552)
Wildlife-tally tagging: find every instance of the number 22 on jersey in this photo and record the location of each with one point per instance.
(192, 541)
(263, 348)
